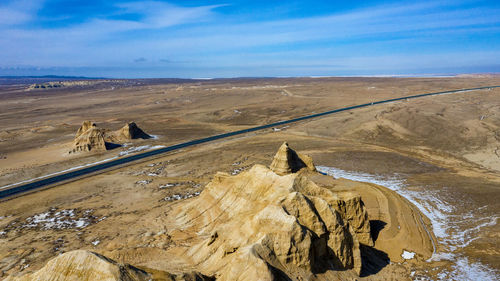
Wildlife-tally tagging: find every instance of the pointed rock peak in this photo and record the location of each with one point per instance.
(132, 131)
(85, 127)
(288, 161)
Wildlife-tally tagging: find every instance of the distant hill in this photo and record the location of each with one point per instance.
(22, 80)
(50, 77)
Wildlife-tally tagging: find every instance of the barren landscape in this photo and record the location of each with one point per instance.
(408, 190)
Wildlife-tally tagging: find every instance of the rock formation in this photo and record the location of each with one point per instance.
(90, 140)
(260, 225)
(89, 137)
(81, 265)
(84, 265)
(85, 127)
(130, 131)
(288, 161)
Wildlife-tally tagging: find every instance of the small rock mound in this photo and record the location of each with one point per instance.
(84, 266)
(260, 225)
(131, 131)
(288, 161)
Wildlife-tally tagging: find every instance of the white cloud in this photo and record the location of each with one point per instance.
(195, 34)
(160, 14)
(18, 12)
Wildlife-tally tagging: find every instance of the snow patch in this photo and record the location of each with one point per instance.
(408, 255)
(135, 149)
(64, 219)
(176, 197)
(143, 182)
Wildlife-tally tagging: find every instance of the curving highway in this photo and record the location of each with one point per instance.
(76, 174)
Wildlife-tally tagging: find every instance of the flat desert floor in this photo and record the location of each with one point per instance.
(437, 158)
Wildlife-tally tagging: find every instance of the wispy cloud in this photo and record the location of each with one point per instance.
(18, 12)
(160, 14)
(377, 37)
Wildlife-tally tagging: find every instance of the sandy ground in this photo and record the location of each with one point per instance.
(437, 156)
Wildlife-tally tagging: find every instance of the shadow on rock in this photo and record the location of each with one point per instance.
(375, 227)
(280, 275)
(110, 145)
(372, 260)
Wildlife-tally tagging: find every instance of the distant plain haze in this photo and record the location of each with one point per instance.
(197, 39)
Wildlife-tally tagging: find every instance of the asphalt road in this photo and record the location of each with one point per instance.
(72, 175)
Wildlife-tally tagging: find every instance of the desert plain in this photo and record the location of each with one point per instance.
(426, 171)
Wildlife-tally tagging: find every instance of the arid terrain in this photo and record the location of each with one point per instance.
(408, 190)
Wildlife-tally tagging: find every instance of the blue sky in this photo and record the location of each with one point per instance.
(109, 38)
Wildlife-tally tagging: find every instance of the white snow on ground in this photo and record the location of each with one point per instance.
(408, 255)
(63, 219)
(134, 149)
(180, 196)
(453, 231)
(279, 129)
(167, 185)
(143, 182)
(464, 270)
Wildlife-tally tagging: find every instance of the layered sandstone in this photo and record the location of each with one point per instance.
(90, 140)
(83, 265)
(84, 128)
(260, 225)
(288, 161)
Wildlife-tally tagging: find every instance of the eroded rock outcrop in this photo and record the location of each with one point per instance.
(89, 137)
(288, 161)
(260, 225)
(130, 131)
(84, 128)
(84, 266)
(90, 140)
